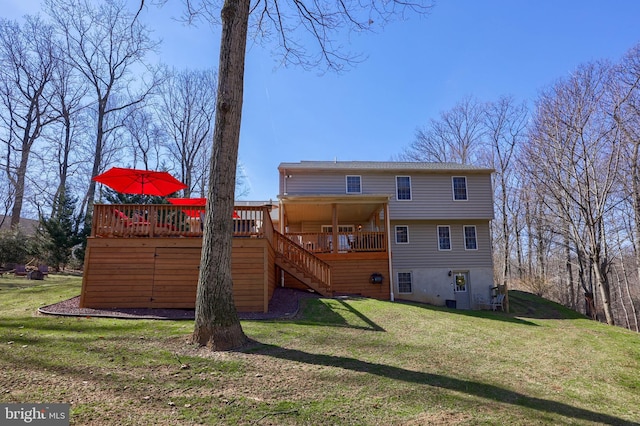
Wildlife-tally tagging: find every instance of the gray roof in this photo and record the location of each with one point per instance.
(384, 165)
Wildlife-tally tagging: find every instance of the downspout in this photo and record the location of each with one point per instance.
(284, 182)
(388, 228)
(281, 224)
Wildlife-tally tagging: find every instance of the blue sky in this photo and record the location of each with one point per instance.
(414, 70)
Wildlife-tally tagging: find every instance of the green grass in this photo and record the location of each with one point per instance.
(343, 362)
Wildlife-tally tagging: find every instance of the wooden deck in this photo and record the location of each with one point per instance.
(148, 256)
(163, 273)
(168, 220)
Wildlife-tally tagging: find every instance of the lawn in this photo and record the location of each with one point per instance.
(341, 362)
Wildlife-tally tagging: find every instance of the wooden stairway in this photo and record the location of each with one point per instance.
(302, 264)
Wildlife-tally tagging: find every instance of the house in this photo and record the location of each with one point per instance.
(429, 221)
(386, 230)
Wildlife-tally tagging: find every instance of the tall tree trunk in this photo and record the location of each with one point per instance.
(63, 165)
(628, 291)
(569, 268)
(217, 325)
(21, 174)
(624, 307)
(635, 193)
(600, 265)
(97, 159)
(516, 226)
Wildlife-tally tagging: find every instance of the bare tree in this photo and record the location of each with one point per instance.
(145, 136)
(217, 324)
(627, 116)
(28, 59)
(103, 43)
(505, 125)
(455, 137)
(574, 155)
(69, 93)
(186, 110)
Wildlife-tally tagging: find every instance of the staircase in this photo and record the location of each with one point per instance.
(302, 264)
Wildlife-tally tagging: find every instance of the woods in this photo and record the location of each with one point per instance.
(565, 185)
(78, 97)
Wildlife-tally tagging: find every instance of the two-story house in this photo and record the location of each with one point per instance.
(393, 230)
(386, 230)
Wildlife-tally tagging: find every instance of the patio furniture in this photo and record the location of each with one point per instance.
(20, 271)
(497, 302)
(482, 302)
(136, 226)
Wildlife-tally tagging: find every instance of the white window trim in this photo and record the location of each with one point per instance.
(341, 228)
(395, 233)
(453, 188)
(346, 184)
(398, 281)
(410, 189)
(438, 237)
(464, 236)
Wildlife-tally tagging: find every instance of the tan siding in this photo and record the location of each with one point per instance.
(316, 183)
(432, 198)
(422, 250)
(431, 193)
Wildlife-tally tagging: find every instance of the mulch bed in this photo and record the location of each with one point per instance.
(284, 304)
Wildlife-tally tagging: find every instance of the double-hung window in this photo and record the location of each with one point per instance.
(404, 282)
(354, 185)
(444, 237)
(402, 234)
(470, 238)
(403, 187)
(459, 188)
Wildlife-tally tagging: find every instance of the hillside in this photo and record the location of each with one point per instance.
(340, 362)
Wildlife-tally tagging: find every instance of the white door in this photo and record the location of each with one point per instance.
(461, 290)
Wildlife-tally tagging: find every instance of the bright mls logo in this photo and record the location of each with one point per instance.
(34, 414)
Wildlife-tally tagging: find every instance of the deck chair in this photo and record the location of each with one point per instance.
(482, 302)
(20, 271)
(44, 269)
(497, 302)
(129, 226)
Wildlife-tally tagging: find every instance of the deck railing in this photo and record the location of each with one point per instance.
(322, 242)
(303, 259)
(168, 220)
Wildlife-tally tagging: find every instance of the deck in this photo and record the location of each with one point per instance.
(147, 256)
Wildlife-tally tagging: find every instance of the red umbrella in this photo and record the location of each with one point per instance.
(189, 202)
(143, 182)
(193, 202)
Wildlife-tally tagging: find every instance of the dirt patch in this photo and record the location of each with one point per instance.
(284, 304)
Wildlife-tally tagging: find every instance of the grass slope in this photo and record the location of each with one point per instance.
(342, 362)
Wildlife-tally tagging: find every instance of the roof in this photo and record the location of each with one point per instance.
(383, 166)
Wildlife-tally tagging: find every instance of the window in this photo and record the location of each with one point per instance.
(403, 187)
(353, 185)
(444, 238)
(341, 228)
(345, 237)
(470, 240)
(404, 282)
(402, 234)
(459, 188)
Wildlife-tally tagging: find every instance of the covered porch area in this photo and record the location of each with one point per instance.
(349, 233)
